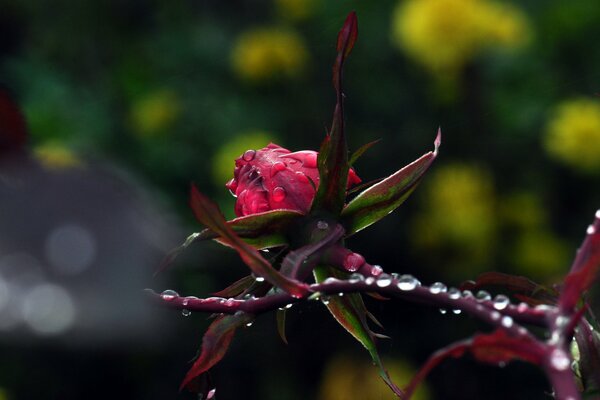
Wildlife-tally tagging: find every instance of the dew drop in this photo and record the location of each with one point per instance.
(249, 324)
(325, 300)
(169, 295)
(322, 225)
(456, 311)
(384, 281)
(502, 364)
(229, 302)
(249, 155)
(185, 302)
(454, 293)
(407, 282)
(438, 287)
(356, 278)
(467, 293)
(259, 279)
(376, 270)
(186, 313)
(277, 167)
(330, 280)
(559, 360)
(482, 295)
(341, 294)
(501, 302)
(369, 280)
(562, 321)
(590, 230)
(353, 262)
(507, 321)
(310, 159)
(598, 214)
(279, 194)
(522, 307)
(443, 311)
(495, 315)
(288, 306)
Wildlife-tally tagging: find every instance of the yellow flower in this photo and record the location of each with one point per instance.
(295, 10)
(540, 255)
(458, 219)
(266, 53)
(573, 134)
(348, 379)
(56, 156)
(445, 34)
(153, 114)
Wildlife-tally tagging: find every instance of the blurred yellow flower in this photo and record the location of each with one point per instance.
(266, 53)
(56, 156)
(444, 34)
(349, 379)
(573, 134)
(295, 10)
(224, 159)
(154, 114)
(458, 217)
(541, 255)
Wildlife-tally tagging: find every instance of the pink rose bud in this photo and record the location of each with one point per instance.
(275, 178)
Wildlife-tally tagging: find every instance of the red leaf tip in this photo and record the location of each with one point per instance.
(438, 141)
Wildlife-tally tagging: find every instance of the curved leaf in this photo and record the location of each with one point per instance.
(209, 214)
(384, 197)
(350, 312)
(215, 343)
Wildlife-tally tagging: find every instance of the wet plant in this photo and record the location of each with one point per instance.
(296, 203)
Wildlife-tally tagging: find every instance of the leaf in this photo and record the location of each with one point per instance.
(168, 260)
(520, 287)
(494, 348)
(209, 214)
(361, 150)
(350, 312)
(281, 324)
(333, 155)
(261, 231)
(215, 343)
(584, 270)
(236, 288)
(588, 343)
(379, 200)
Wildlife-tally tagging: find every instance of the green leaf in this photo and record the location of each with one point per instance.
(379, 200)
(350, 312)
(333, 154)
(261, 231)
(209, 214)
(236, 288)
(215, 343)
(361, 150)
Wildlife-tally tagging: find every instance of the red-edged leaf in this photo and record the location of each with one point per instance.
(261, 230)
(209, 214)
(215, 343)
(520, 287)
(588, 343)
(584, 270)
(13, 128)
(236, 288)
(333, 155)
(384, 197)
(351, 314)
(494, 348)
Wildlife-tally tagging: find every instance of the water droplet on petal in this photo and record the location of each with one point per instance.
(353, 262)
(407, 282)
(277, 167)
(507, 321)
(186, 312)
(310, 159)
(559, 360)
(384, 281)
(169, 295)
(376, 270)
(249, 155)
(322, 225)
(501, 302)
(279, 194)
(454, 293)
(438, 287)
(482, 295)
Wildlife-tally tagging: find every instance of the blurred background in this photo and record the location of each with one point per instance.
(128, 102)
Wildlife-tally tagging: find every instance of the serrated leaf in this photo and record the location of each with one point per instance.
(350, 312)
(280, 315)
(384, 197)
(209, 214)
(333, 154)
(520, 287)
(494, 348)
(215, 343)
(585, 268)
(262, 230)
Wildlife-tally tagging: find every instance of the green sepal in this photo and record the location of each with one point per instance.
(382, 198)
